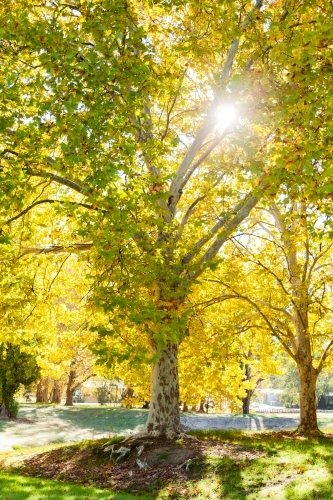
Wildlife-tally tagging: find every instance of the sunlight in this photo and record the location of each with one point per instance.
(226, 115)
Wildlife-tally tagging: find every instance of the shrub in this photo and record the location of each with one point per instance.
(102, 395)
(13, 408)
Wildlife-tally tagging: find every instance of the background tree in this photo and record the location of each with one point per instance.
(16, 367)
(293, 293)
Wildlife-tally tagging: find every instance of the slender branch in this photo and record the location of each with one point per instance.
(204, 131)
(307, 259)
(74, 247)
(324, 356)
(197, 164)
(169, 111)
(58, 272)
(222, 222)
(275, 308)
(30, 313)
(39, 202)
(56, 178)
(242, 211)
(313, 267)
(275, 333)
(193, 205)
(249, 15)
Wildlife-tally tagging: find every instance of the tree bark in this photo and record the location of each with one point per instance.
(246, 402)
(308, 409)
(202, 406)
(185, 406)
(4, 413)
(70, 389)
(42, 395)
(56, 393)
(163, 417)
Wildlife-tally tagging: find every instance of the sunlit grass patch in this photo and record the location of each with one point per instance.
(16, 487)
(291, 469)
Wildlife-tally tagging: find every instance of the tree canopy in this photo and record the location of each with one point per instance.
(142, 134)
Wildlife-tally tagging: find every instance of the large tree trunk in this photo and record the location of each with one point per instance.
(163, 416)
(70, 388)
(307, 397)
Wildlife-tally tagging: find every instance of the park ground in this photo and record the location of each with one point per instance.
(56, 452)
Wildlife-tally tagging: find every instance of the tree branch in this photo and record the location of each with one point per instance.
(74, 247)
(257, 308)
(39, 202)
(275, 308)
(56, 178)
(324, 356)
(204, 131)
(191, 208)
(197, 164)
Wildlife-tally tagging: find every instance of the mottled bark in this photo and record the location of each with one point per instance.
(246, 401)
(307, 397)
(163, 416)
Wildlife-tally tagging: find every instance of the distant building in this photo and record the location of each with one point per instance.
(88, 391)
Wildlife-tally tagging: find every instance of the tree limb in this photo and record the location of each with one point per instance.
(72, 248)
(39, 202)
(56, 178)
(323, 357)
(204, 131)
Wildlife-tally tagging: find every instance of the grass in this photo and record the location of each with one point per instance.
(102, 419)
(291, 469)
(68, 424)
(16, 487)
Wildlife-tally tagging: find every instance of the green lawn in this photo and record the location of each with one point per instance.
(16, 487)
(292, 469)
(59, 424)
(289, 469)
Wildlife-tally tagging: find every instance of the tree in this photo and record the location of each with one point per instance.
(292, 296)
(80, 370)
(111, 118)
(16, 367)
(226, 353)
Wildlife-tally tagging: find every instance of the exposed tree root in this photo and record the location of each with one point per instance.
(302, 432)
(134, 438)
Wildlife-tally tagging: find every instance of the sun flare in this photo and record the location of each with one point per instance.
(225, 116)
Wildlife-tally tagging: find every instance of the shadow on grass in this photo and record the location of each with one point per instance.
(50, 424)
(288, 467)
(102, 419)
